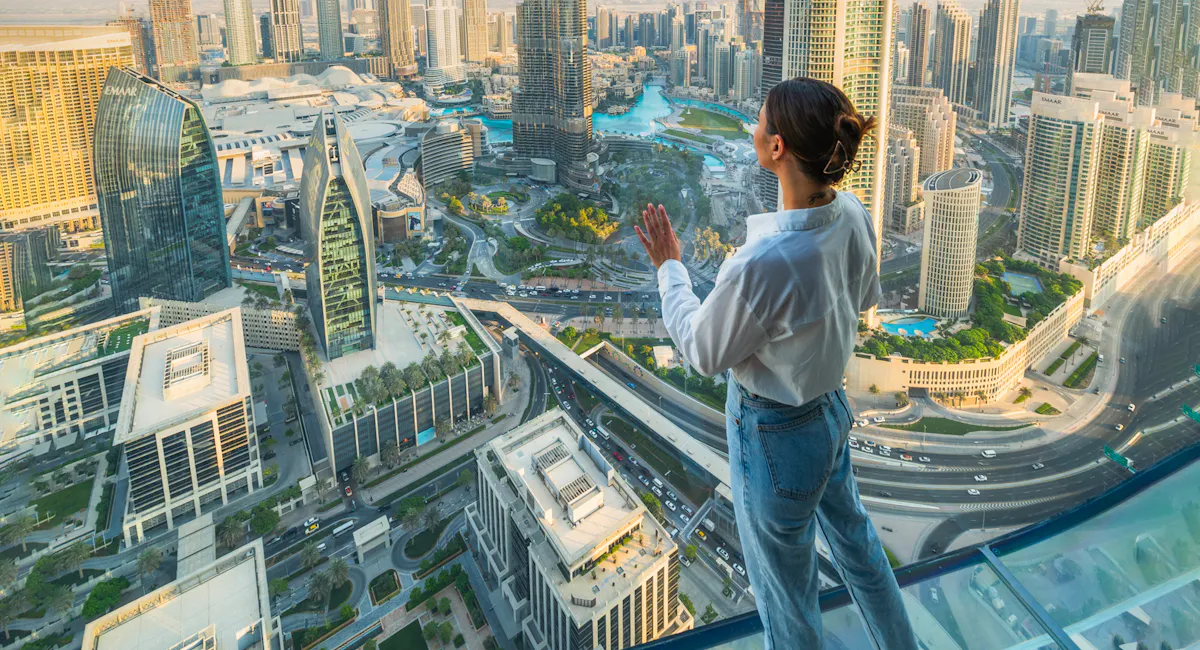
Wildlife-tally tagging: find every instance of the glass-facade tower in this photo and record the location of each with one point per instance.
(335, 215)
(159, 194)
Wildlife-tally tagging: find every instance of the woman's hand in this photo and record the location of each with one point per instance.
(658, 238)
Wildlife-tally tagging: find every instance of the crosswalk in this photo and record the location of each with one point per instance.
(1003, 505)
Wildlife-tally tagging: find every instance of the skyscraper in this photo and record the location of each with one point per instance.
(266, 35)
(747, 71)
(475, 22)
(1157, 48)
(552, 107)
(847, 44)
(951, 233)
(174, 33)
(994, 61)
(141, 38)
(335, 217)
(443, 64)
(1172, 143)
(918, 44)
(287, 40)
(159, 194)
(51, 86)
(603, 27)
(239, 32)
(952, 51)
(208, 30)
(903, 209)
(681, 68)
(929, 115)
(1050, 24)
(1061, 154)
(551, 513)
(646, 36)
(395, 35)
(1124, 145)
(677, 35)
(25, 266)
(1135, 48)
(1091, 45)
(420, 32)
(329, 30)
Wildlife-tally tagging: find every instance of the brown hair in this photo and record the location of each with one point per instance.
(813, 117)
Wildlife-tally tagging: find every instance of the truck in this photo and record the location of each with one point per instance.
(708, 523)
(343, 528)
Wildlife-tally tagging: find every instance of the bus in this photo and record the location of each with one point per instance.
(343, 528)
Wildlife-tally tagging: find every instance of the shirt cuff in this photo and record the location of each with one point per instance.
(672, 272)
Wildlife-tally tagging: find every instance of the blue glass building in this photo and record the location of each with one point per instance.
(159, 193)
(335, 219)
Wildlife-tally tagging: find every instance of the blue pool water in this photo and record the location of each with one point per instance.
(912, 326)
(1022, 283)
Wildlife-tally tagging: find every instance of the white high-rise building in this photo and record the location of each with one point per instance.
(903, 208)
(1173, 142)
(994, 61)
(444, 62)
(475, 24)
(578, 559)
(928, 114)
(847, 44)
(1058, 194)
(677, 34)
(329, 30)
(239, 32)
(952, 51)
(952, 202)
(287, 40)
(747, 67)
(681, 68)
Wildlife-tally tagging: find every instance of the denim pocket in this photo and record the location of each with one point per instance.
(798, 450)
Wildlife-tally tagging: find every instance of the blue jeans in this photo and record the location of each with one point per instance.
(790, 469)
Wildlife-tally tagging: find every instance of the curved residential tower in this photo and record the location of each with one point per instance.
(951, 228)
(335, 216)
(159, 194)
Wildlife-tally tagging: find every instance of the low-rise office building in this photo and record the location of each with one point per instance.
(580, 561)
(187, 424)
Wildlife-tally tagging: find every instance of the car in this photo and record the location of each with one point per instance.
(877, 419)
(884, 448)
(923, 459)
(737, 567)
(1131, 407)
(592, 296)
(671, 495)
(1120, 427)
(905, 457)
(1122, 359)
(869, 443)
(592, 432)
(321, 546)
(522, 295)
(885, 452)
(345, 476)
(589, 422)
(980, 478)
(863, 422)
(671, 506)
(1038, 465)
(311, 528)
(310, 521)
(722, 552)
(867, 450)
(558, 391)
(701, 534)
(566, 407)
(618, 456)
(630, 384)
(688, 509)
(684, 518)
(645, 481)
(853, 444)
(349, 492)
(933, 594)
(657, 492)
(973, 492)
(1163, 319)
(852, 439)
(274, 540)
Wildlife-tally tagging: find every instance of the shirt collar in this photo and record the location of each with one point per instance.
(771, 223)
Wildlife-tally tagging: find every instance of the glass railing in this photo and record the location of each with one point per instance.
(1121, 570)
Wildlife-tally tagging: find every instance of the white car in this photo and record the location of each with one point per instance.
(885, 452)
(867, 450)
(671, 495)
(980, 478)
(884, 448)
(863, 422)
(973, 492)
(923, 459)
(566, 407)
(1131, 407)
(592, 432)
(522, 295)
(737, 567)
(852, 439)
(671, 506)
(1038, 465)
(592, 297)
(722, 552)
(877, 419)
(853, 444)
(684, 518)
(657, 492)
(310, 521)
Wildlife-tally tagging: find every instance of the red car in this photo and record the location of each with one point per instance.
(349, 492)
(618, 456)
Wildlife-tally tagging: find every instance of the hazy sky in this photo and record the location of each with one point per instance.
(90, 11)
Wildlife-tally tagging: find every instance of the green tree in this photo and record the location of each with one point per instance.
(58, 600)
(18, 529)
(690, 552)
(264, 520)
(709, 615)
(874, 390)
(465, 478)
(320, 586)
(444, 606)
(901, 399)
(148, 563)
(8, 574)
(277, 587)
(652, 504)
(430, 631)
(441, 427)
(230, 531)
(309, 555)
(360, 470)
(75, 555)
(389, 453)
(339, 571)
(370, 645)
(11, 608)
(392, 379)
(570, 333)
(445, 632)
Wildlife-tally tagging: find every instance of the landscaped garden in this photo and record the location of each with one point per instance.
(384, 586)
(571, 217)
(408, 638)
(712, 123)
(121, 339)
(948, 427)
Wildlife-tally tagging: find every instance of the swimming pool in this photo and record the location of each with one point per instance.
(1022, 283)
(911, 326)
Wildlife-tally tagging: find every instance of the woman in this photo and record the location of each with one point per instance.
(782, 319)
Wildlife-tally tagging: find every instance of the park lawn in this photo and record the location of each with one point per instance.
(339, 595)
(1012, 310)
(409, 638)
(384, 585)
(121, 339)
(1047, 409)
(589, 342)
(267, 290)
(424, 541)
(947, 427)
(66, 501)
(688, 136)
(645, 449)
(712, 123)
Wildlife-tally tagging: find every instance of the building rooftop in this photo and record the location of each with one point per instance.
(371, 530)
(27, 369)
(403, 324)
(581, 506)
(953, 179)
(225, 601)
(58, 38)
(197, 545)
(181, 371)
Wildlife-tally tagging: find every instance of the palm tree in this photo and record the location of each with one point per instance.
(338, 571)
(19, 529)
(321, 584)
(75, 555)
(8, 574)
(59, 600)
(490, 404)
(360, 470)
(230, 531)
(148, 563)
(1025, 392)
(982, 395)
(430, 518)
(309, 555)
(389, 453)
(874, 390)
(10, 608)
(323, 486)
(901, 399)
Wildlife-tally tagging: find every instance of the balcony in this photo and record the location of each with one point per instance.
(1118, 571)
